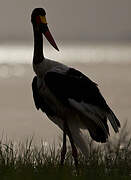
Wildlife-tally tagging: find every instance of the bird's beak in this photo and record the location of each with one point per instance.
(46, 32)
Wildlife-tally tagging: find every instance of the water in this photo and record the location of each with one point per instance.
(69, 53)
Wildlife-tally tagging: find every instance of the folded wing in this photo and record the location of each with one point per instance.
(76, 90)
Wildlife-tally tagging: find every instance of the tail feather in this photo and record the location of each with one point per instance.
(97, 132)
(114, 121)
(91, 119)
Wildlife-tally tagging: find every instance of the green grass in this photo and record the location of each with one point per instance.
(25, 161)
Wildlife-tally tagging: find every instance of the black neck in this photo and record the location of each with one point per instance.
(38, 47)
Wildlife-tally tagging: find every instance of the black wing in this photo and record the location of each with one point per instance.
(72, 84)
(38, 100)
(75, 85)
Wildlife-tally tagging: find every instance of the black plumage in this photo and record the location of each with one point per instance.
(74, 84)
(39, 101)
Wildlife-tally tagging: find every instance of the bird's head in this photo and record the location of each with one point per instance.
(38, 19)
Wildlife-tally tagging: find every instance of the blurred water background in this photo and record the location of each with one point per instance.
(69, 53)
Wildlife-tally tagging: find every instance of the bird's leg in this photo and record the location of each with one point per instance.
(74, 150)
(63, 151)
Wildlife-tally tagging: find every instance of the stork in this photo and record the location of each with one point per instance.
(68, 97)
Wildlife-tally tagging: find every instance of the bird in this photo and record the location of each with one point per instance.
(67, 96)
